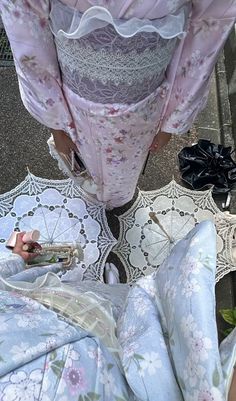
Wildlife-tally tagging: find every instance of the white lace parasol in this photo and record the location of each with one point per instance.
(63, 213)
(145, 241)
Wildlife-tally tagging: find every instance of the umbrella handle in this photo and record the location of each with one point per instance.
(66, 253)
(145, 163)
(154, 218)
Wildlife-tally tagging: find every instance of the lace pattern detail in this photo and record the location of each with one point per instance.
(143, 245)
(63, 213)
(106, 68)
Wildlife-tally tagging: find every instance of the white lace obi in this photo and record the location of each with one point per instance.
(107, 60)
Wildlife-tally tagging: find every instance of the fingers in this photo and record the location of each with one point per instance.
(64, 145)
(154, 147)
(160, 140)
(25, 250)
(19, 243)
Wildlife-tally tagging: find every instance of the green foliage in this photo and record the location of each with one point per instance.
(216, 377)
(91, 396)
(229, 315)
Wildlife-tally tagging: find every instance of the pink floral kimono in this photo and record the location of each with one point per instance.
(112, 73)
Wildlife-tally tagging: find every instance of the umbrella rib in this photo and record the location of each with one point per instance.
(160, 251)
(45, 222)
(156, 232)
(59, 216)
(185, 222)
(171, 222)
(30, 227)
(156, 242)
(63, 232)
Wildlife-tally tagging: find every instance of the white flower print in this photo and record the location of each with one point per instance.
(129, 350)
(193, 371)
(21, 351)
(3, 324)
(188, 325)
(71, 357)
(200, 345)
(148, 284)
(127, 334)
(23, 386)
(108, 380)
(28, 320)
(191, 265)
(208, 393)
(47, 346)
(96, 353)
(190, 287)
(150, 363)
(141, 306)
(31, 304)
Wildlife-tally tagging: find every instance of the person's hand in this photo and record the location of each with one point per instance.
(18, 248)
(160, 140)
(63, 142)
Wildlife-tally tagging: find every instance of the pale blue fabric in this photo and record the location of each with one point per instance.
(168, 328)
(167, 332)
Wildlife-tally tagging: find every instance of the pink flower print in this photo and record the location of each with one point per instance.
(210, 395)
(108, 150)
(43, 22)
(177, 124)
(16, 14)
(112, 111)
(71, 125)
(75, 380)
(163, 91)
(50, 102)
(179, 96)
(29, 61)
(119, 140)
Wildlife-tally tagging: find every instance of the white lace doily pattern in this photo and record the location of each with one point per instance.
(143, 244)
(63, 213)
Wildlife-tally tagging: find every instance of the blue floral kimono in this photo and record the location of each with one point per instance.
(165, 329)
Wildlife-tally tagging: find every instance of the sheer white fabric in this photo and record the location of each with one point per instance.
(72, 24)
(87, 304)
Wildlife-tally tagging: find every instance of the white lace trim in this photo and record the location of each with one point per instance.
(142, 248)
(83, 180)
(74, 25)
(117, 67)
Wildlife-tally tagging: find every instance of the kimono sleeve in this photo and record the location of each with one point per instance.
(189, 73)
(10, 264)
(27, 26)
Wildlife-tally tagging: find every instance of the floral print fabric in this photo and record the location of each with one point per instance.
(185, 85)
(45, 358)
(167, 332)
